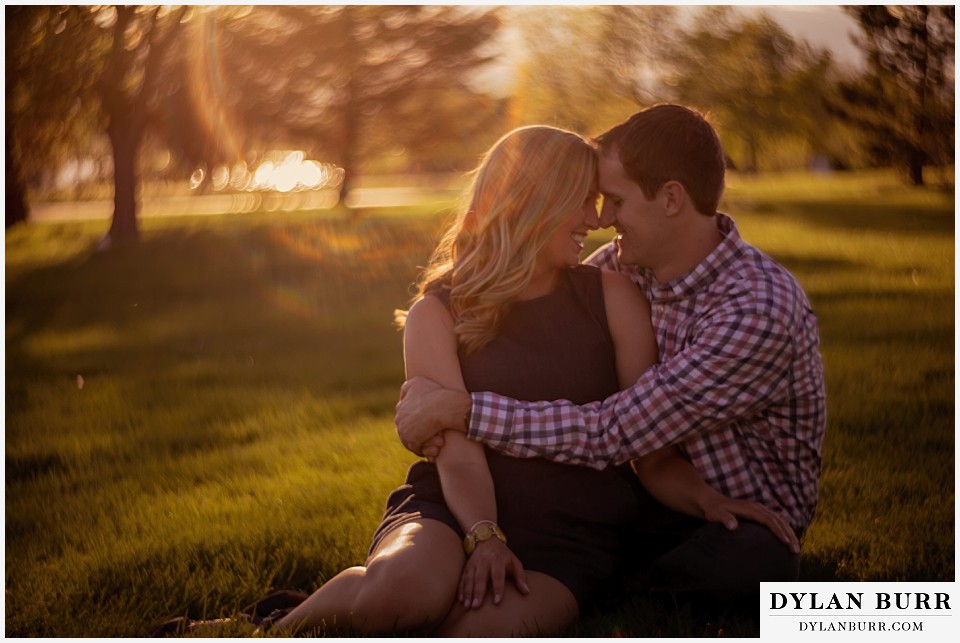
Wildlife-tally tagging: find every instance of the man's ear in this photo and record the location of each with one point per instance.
(674, 197)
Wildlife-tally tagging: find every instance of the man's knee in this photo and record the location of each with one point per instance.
(719, 561)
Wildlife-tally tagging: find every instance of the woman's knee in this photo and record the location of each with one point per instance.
(408, 584)
(409, 588)
(547, 610)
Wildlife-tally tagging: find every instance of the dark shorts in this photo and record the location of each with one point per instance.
(420, 497)
(568, 524)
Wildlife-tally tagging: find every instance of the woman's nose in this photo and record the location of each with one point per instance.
(591, 219)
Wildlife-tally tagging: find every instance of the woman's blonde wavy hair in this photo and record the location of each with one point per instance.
(526, 186)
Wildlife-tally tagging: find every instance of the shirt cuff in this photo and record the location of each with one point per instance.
(488, 420)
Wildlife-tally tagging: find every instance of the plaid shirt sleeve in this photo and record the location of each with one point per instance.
(735, 365)
(605, 257)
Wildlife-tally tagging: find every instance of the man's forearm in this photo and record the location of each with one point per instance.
(558, 430)
(692, 393)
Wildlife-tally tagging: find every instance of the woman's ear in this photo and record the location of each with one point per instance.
(674, 197)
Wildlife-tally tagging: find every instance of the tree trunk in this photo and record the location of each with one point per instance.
(915, 167)
(352, 107)
(126, 111)
(349, 153)
(917, 153)
(15, 197)
(750, 142)
(125, 142)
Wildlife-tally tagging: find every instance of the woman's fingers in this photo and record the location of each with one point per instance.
(487, 569)
(520, 576)
(498, 577)
(479, 589)
(465, 594)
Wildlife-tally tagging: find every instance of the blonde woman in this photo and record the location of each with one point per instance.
(480, 544)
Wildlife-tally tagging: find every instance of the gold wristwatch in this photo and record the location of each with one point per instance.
(481, 532)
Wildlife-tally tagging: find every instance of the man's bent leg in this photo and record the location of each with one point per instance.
(723, 565)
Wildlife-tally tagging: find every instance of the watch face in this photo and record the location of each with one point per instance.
(484, 532)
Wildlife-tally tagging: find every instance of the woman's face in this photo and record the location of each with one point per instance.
(564, 246)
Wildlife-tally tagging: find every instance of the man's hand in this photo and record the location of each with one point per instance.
(727, 510)
(424, 410)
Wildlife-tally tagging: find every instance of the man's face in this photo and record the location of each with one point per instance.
(638, 220)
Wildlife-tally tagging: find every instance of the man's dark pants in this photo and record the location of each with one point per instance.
(675, 553)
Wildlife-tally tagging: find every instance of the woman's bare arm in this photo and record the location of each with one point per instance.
(628, 317)
(430, 350)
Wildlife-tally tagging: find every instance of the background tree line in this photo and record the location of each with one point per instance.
(376, 88)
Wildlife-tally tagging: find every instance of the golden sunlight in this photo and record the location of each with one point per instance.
(278, 171)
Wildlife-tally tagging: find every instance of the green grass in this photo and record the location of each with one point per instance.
(206, 416)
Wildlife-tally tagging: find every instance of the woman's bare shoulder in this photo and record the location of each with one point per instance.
(430, 310)
(618, 289)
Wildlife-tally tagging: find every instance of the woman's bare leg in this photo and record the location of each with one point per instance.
(547, 609)
(410, 582)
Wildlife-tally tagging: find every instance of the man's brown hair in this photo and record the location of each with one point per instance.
(668, 142)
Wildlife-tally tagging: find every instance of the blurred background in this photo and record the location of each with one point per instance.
(118, 111)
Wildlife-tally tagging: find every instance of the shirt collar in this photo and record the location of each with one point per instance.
(726, 252)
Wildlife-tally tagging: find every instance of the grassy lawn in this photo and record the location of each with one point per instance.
(209, 415)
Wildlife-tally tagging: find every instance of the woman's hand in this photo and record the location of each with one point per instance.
(490, 564)
(726, 511)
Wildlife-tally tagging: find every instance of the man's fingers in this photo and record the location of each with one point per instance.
(784, 533)
(431, 448)
(730, 521)
(789, 536)
(780, 528)
(416, 449)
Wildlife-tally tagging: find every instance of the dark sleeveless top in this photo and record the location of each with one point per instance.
(555, 347)
(560, 519)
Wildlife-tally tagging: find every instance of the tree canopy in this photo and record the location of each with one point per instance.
(359, 85)
(51, 107)
(586, 68)
(758, 81)
(905, 101)
(217, 83)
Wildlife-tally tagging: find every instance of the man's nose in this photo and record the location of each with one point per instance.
(607, 215)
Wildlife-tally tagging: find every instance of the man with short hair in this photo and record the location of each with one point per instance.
(739, 388)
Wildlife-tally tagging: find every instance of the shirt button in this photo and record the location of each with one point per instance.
(659, 308)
